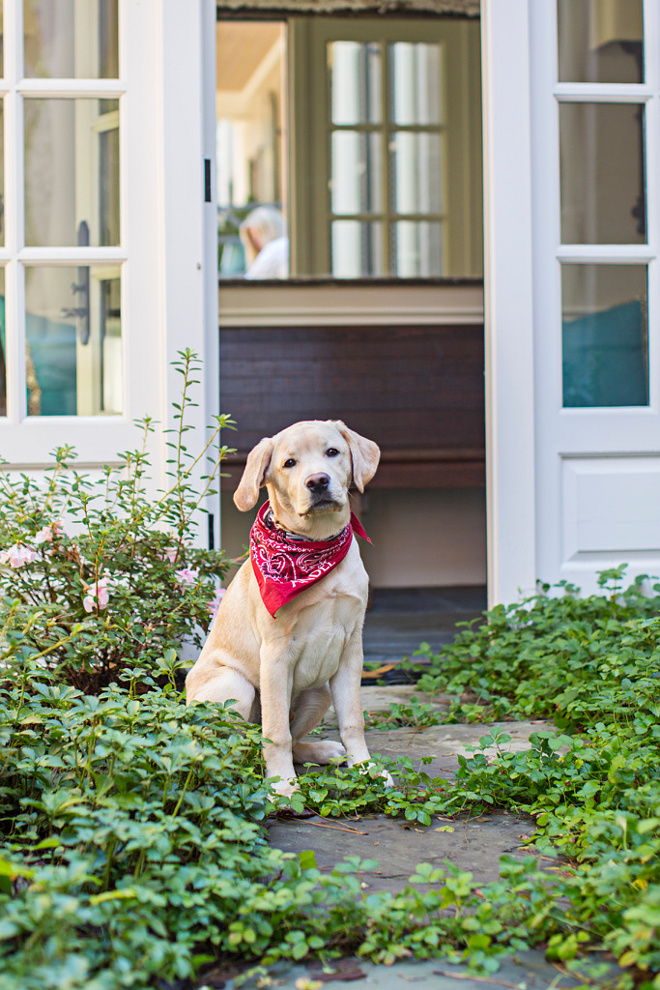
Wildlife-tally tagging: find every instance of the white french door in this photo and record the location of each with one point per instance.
(595, 139)
(108, 221)
(571, 96)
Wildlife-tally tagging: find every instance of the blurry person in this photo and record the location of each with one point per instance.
(266, 245)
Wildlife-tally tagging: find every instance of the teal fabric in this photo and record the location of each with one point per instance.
(605, 358)
(53, 350)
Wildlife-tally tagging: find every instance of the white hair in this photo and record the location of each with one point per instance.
(266, 221)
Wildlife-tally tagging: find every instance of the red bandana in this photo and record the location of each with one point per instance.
(284, 565)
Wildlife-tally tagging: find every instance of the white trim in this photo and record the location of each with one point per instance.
(340, 305)
(188, 267)
(377, 316)
(510, 446)
(211, 350)
(14, 212)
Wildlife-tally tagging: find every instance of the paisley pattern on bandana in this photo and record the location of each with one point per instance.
(285, 565)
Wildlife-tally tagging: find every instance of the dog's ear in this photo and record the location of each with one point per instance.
(365, 455)
(247, 493)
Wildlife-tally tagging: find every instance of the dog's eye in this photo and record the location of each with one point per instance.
(331, 452)
(290, 463)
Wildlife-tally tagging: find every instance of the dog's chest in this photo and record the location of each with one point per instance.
(319, 640)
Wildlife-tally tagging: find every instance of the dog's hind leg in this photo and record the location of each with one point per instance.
(309, 708)
(224, 684)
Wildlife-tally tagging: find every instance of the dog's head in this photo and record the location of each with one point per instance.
(308, 469)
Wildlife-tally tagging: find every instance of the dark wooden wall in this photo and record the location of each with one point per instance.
(417, 391)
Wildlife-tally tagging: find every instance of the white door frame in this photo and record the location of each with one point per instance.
(508, 300)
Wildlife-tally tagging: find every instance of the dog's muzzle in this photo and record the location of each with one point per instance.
(320, 497)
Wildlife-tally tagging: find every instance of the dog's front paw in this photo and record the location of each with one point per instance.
(285, 788)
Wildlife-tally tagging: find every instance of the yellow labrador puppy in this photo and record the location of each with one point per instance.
(288, 635)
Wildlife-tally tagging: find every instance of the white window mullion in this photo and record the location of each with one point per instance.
(603, 92)
(13, 40)
(15, 342)
(619, 254)
(103, 89)
(71, 255)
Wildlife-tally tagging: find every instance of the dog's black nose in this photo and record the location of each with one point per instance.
(318, 482)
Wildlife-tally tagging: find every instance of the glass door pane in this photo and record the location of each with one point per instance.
(3, 347)
(357, 249)
(415, 83)
(605, 349)
(71, 172)
(416, 248)
(73, 339)
(601, 41)
(602, 173)
(355, 76)
(356, 172)
(416, 172)
(64, 39)
(2, 173)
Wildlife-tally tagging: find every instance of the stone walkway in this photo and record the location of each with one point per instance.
(527, 971)
(475, 844)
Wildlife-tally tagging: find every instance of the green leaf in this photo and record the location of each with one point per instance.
(307, 859)
(13, 869)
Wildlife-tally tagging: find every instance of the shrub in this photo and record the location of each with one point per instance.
(96, 577)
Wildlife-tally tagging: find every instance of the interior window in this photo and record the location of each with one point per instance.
(348, 148)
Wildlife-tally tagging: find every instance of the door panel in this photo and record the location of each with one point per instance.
(610, 506)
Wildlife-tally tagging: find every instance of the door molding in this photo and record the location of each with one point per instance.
(508, 300)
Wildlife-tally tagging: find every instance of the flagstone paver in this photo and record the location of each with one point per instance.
(525, 971)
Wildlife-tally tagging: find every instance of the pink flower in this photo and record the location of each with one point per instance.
(46, 534)
(187, 576)
(97, 595)
(17, 556)
(214, 604)
(169, 553)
